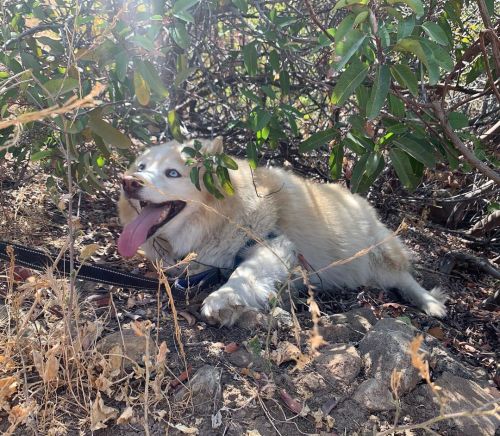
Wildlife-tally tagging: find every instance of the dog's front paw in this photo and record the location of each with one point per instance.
(223, 307)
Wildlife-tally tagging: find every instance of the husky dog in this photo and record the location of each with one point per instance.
(285, 214)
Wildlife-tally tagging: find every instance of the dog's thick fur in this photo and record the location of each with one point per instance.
(322, 222)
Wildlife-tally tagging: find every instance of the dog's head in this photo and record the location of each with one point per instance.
(158, 189)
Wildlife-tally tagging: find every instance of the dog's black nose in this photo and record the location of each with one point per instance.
(131, 185)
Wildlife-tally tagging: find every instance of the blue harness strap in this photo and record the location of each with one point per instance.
(240, 255)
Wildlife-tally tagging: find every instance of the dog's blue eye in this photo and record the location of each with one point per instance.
(172, 173)
(141, 167)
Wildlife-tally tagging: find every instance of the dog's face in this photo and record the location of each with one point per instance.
(156, 190)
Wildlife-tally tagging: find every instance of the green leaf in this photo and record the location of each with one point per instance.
(143, 41)
(348, 3)
(344, 27)
(252, 155)
(108, 133)
(347, 48)
(229, 162)
(121, 65)
(435, 32)
(317, 139)
(405, 77)
(61, 86)
(250, 58)
(274, 60)
(350, 79)
(285, 82)
(418, 151)
(404, 170)
(358, 172)
(194, 175)
(423, 53)
(269, 91)
(379, 92)
(437, 54)
(142, 91)
(151, 76)
(180, 35)
(458, 120)
(362, 16)
(183, 5)
(396, 106)
(225, 181)
(259, 119)
(175, 126)
(208, 181)
(184, 16)
(405, 27)
(191, 152)
(415, 5)
(336, 161)
(242, 5)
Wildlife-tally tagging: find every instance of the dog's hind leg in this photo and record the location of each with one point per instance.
(252, 284)
(431, 302)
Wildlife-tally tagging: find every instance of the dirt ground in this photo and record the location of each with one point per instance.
(253, 395)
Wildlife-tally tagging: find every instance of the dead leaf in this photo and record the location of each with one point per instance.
(51, 369)
(138, 328)
(183, 376)
(437, 332)
(101, 413)
(294, 405)
(103, 384)
(285, 352)
(38, 361)
(88, 251)
(19, 413)
(161, 357)
(8, 386)
(126, 416)
(115, 358)
(185, 429)
(231, 347)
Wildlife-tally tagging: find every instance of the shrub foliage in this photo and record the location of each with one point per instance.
(403, 83)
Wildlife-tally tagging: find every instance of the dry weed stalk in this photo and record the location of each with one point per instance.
(70, 105)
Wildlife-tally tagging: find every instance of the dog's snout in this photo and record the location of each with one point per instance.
(131, 184)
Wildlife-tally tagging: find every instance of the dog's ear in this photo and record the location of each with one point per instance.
(213, 146)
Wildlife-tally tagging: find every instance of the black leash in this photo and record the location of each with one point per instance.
(40, 261)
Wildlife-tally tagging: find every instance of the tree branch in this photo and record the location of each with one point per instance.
(461, 147)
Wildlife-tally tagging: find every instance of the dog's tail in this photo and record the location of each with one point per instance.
(431, 302)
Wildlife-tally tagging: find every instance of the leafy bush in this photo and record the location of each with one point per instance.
(396, 82)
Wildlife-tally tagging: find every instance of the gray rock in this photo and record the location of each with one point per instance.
(461, 395)
(385, 348)
(375, 396)
(203, 391)
(131, 346)
(340, 362)
(283, 318)
(347, 327)
(441, 360)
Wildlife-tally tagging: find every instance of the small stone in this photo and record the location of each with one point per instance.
(132, 347)
(461, 395)
(385, 348)
(347, 327)
(240, 358)
(340, 362)
(375, 396)
(203, 391)
(283, 318)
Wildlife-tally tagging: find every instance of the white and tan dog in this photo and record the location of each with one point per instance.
(323, 222)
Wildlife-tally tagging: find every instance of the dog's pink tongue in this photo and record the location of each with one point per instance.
(135, 233)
